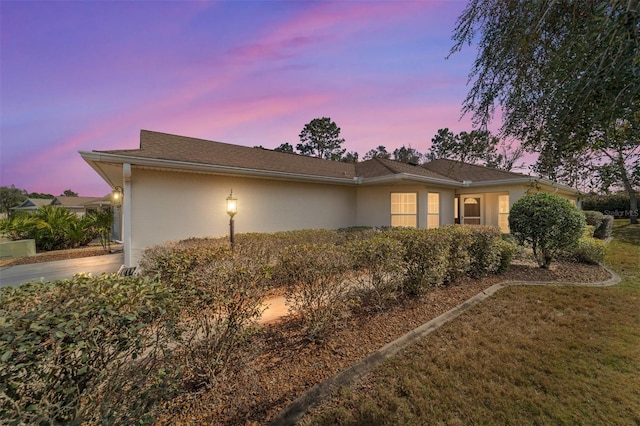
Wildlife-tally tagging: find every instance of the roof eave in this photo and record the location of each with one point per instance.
(410, 177)
(97, 157)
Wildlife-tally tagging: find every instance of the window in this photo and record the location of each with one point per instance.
(404, 208)
(433, 210)
(503, 213)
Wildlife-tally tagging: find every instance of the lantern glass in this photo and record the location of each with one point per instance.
(232, 205)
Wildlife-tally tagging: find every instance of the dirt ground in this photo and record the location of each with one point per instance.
(279, 363)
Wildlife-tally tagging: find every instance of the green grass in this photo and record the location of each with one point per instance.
(528, 355)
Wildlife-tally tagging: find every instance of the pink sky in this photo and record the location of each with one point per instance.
(90, 75)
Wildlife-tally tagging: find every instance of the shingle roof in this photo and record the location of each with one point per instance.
(470, 172)
(155, 145)
(378, 167)
(74, 201)
(162, 149)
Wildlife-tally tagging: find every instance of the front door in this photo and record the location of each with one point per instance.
(472, 209)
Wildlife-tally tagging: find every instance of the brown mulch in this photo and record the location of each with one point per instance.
(279, 364)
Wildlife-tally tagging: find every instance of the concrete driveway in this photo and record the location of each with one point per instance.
(60, 269)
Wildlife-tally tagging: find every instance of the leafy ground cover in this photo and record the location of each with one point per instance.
(528, 355)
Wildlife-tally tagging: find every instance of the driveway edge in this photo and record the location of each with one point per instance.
(318, 392)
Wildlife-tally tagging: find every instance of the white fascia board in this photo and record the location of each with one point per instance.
(410, 177)
(209, 168)
(524, 180)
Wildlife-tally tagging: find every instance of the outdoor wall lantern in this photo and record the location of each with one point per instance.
(116, 195)
(232, 209)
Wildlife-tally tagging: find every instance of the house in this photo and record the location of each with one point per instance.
(175, 187)
(77, 205)
(32, 204)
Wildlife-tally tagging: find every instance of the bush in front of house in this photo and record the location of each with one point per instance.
(426, 258)
(315, 281)
(83, 350)
(379, 268)
(219, 307)
(485, 250)
(459, 258)
(587, 250)
(548, 223)
(175, 263)
(218, 295)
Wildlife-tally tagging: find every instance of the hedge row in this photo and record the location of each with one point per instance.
(617, 205)
(602, 224)
(104, 350)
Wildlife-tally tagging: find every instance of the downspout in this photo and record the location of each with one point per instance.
(126, 214)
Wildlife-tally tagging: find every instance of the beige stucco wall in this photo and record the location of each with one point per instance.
(169, 206)
(374, 204)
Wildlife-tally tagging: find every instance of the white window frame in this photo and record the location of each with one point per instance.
(404, 207)
(433, 209)
(503, 213)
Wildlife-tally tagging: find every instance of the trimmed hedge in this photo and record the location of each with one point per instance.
(70, 348)
(603, 224)
(107, 349)
(617, 205)
(314, 276)
(588, 250)
(548, 223)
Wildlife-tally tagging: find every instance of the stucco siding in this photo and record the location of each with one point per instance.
(169, 206)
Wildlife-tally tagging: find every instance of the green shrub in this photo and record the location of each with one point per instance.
(314, 276)
(218, 306)
(617, 205)
(52, 228)
(547, 222)
(426, 256)
(218, 294)
(588, 250)
(507, 251)
(175, 263)
(484, 251)
(459, 257)
(593, 218)
(605, 229)
(64, 348)
(602, 224)
(588, 231)
(379, 269)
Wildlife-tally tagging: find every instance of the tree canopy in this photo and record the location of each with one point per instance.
(11, 197)
(407, 155)
(564, 74)
(475, 147)
(321, 138)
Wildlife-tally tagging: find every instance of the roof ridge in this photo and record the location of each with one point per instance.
(463, 163)
(386, 166)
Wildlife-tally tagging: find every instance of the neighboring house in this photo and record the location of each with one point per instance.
(77, 205)
(32, 204)
(175, 187)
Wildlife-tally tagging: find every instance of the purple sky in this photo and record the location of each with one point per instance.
(89, 75)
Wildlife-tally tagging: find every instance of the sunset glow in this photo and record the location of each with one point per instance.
(90, 75)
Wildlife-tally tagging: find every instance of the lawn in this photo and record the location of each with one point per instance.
(528, 355)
